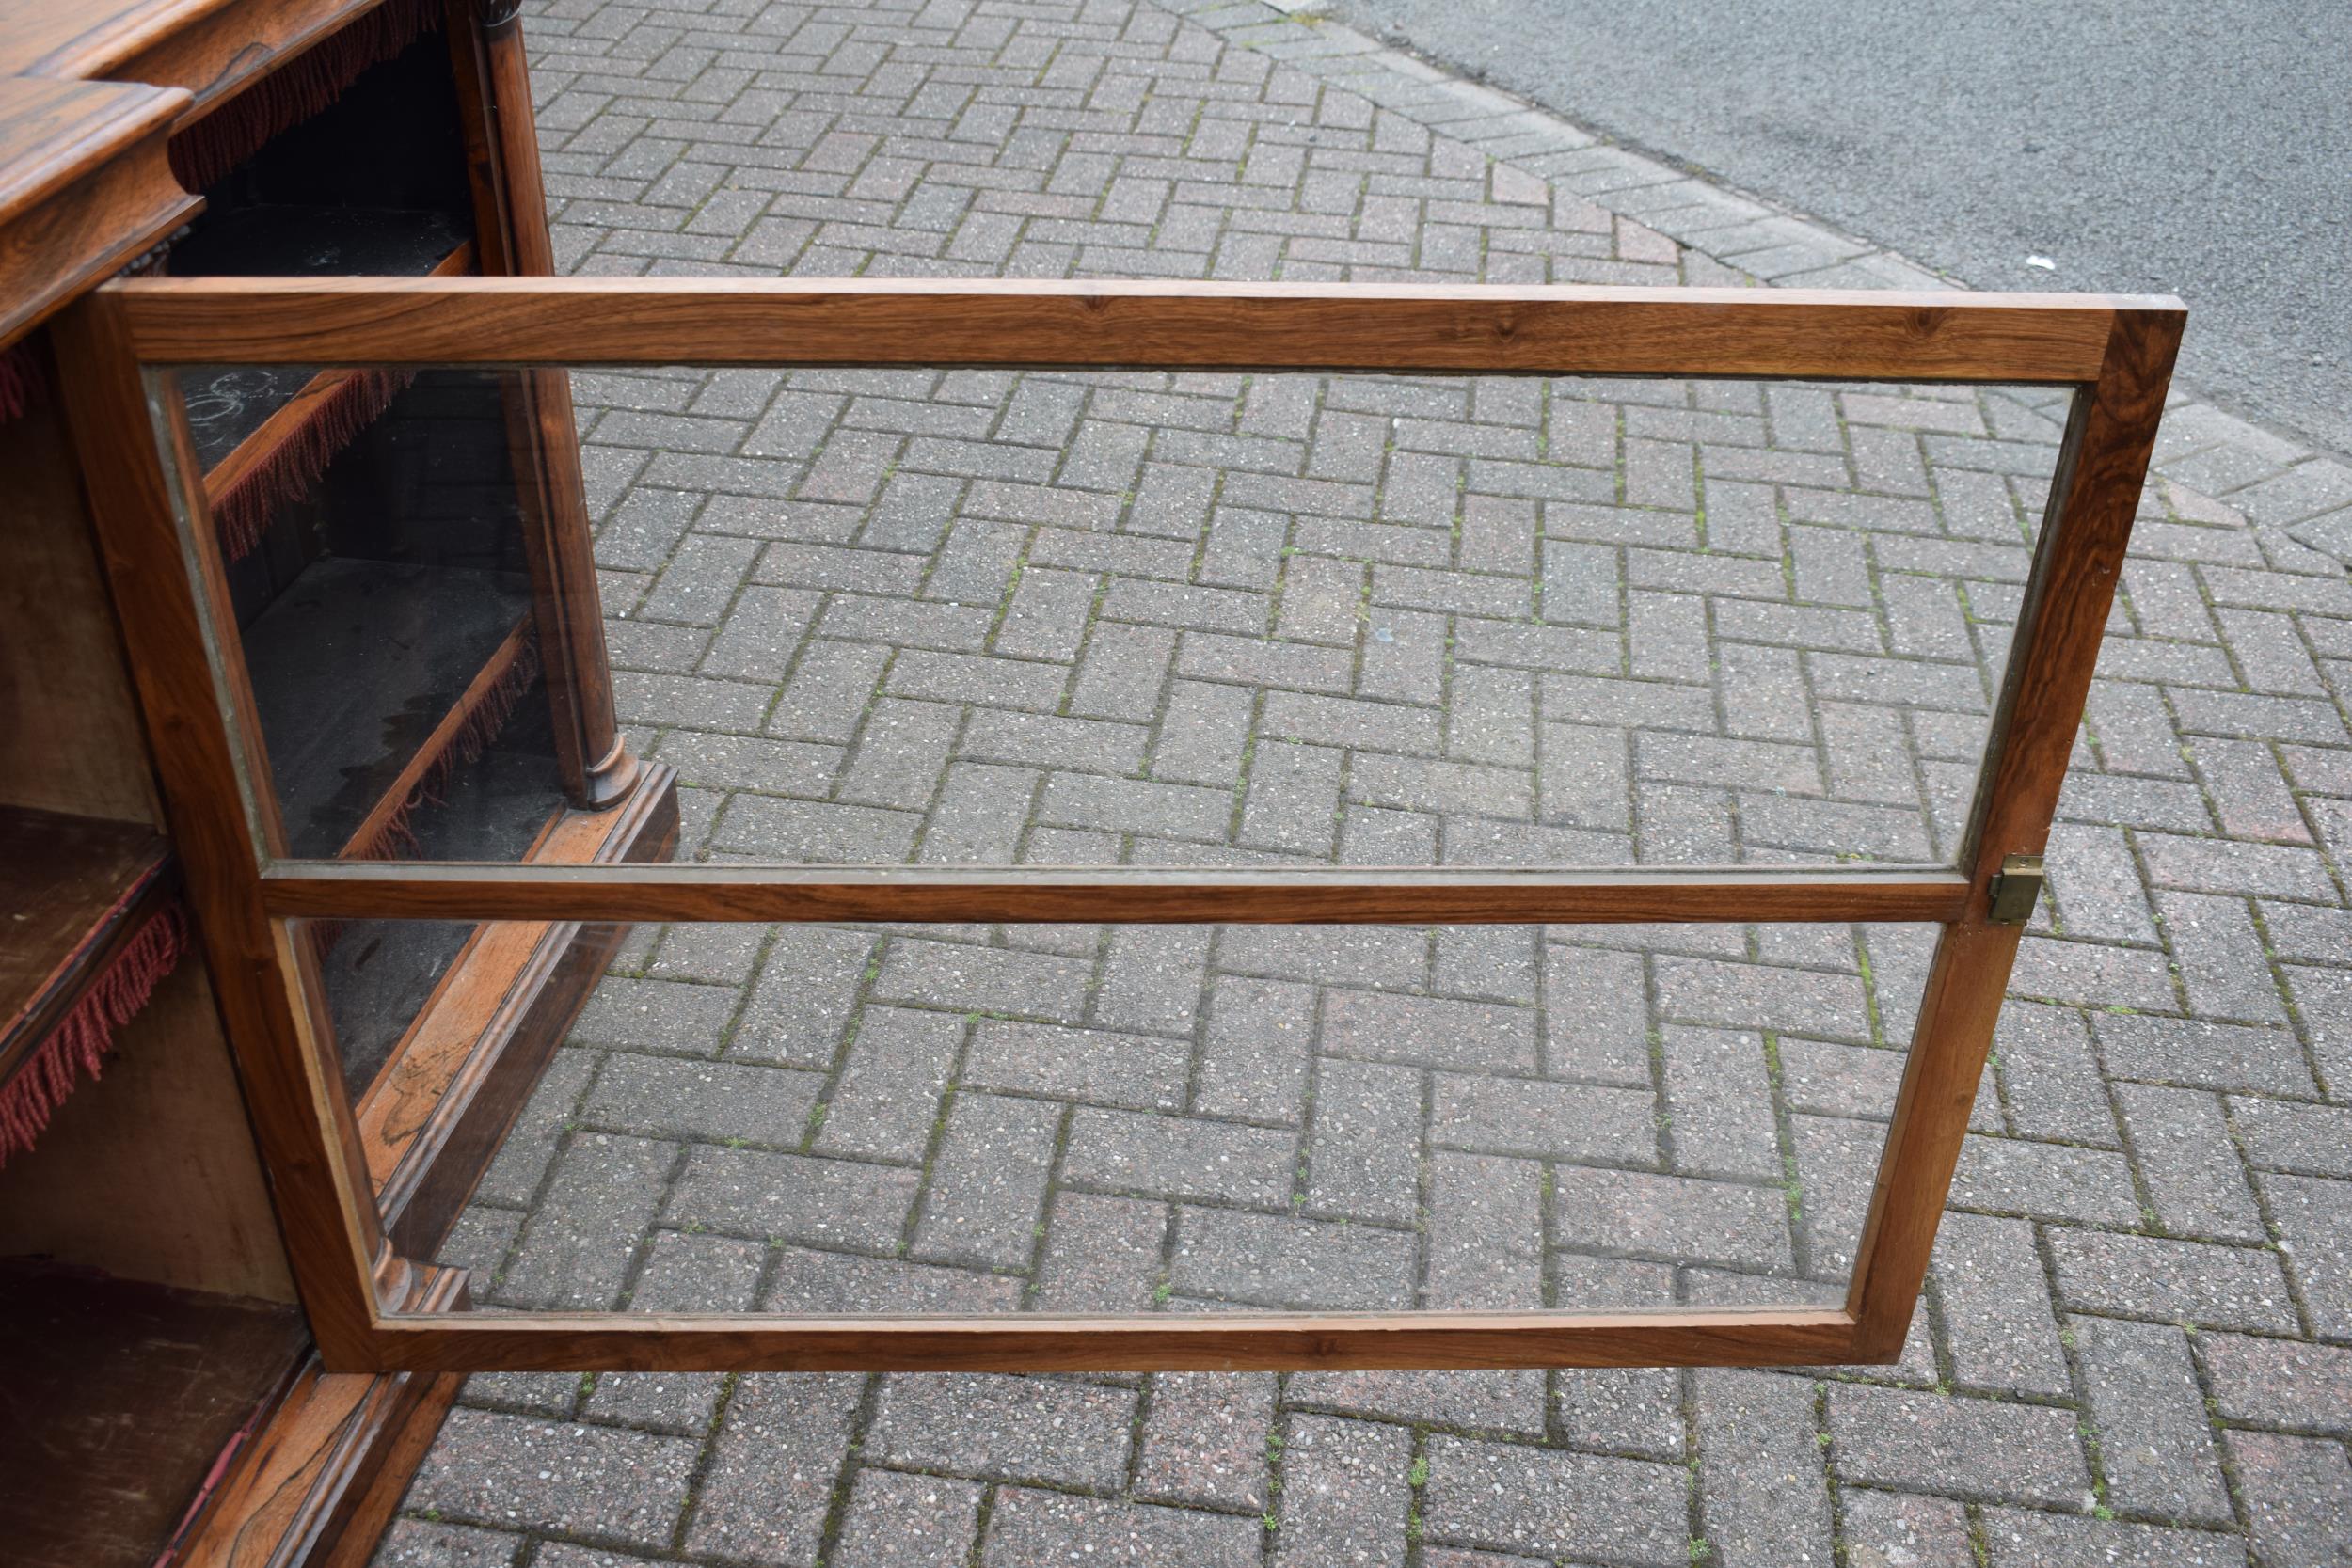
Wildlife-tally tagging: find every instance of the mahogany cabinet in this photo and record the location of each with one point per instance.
(160, 1385)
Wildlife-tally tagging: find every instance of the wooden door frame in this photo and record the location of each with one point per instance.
(2115, 352)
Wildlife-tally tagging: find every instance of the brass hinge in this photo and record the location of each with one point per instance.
(2016, 888)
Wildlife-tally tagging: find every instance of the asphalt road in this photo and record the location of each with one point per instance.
(2202, 148)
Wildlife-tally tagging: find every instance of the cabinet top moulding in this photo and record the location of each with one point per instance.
(209, 47)
(89, 95)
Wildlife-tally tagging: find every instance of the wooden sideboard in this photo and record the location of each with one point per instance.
(161, 1396)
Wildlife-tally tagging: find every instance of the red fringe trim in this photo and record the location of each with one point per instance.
(309, 82)
(77, 1047)
(21, 381)
(244, 511)
(397, 839)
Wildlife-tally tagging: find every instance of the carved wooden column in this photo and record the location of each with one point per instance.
(512, 239)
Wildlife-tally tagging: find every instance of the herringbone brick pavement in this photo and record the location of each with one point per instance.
(947, 616)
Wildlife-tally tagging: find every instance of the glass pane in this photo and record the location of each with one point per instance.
(834, 1119)
(381, 583)
(945, 616)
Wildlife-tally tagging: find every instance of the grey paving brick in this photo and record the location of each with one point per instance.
(2194, 1282)
(1485, 1233)
(1138, 1072)
(2279, 1134)
(2017, 1537)
(1956, 1446)
(2298, 1496)
(1763, 1488)
(1256, 1057)
(1531, 1116)
(508, 1470)
(2313, 1218)
(1902, 1530)
(1700, 991)
(417, 1544)
(960, 975)
(800, 1008)
(1719, 1104)
(1346, 1493)
(1673, 1217)
(578, 1247)
(522, 1159)
(1152, 977)
(1179, 1157)
(770, 1475)
(2279, 1382)
(822, 1284)
(1998, 1322)
(2045, 1182)
(988, 1182)
(1026, 1428)
(2195, 1053)
(656, 1015)
(1205, 1440)
(712, 1102)
(1029, 1527)
(896, 1520)
(1261, 1260)
(2052, 1075)
(1598, 1016)
(1362, 1150)
(2190, 1164)
(1551, 1504)
(793, 1198)
(1428, 1032)
(887, 1101)
(2155, 1448)
(1102, 1254)
(683, 1273)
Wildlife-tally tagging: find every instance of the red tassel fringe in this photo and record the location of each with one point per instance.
(397, 839)
(243, 513)
(78, 1046)
(21, 381)
(304, 86)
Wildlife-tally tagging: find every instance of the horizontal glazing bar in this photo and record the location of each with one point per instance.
(1269, 1341)
(1131, 894)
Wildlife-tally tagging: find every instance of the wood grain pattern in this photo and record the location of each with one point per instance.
(319, 1183)
(2094, 493)
(440, 1110)
(83, 188)
(1395, 327)
(315, 1487)
(1219, 1341)
(151, 1173)
(1338, 895)
(72, 890)
(75, 743)
(117, 1397)
(210, 48)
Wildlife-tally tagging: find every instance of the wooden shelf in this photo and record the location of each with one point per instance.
(251, 413)
(117, 1398)
(356, 667)
(72, 890)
